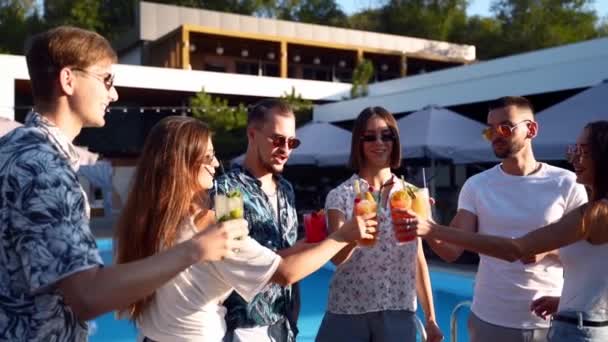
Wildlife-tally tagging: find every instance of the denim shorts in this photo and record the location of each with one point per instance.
(573, 332)
(381, 326)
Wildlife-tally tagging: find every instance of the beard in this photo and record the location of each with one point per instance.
(268, 166)
(508, 151)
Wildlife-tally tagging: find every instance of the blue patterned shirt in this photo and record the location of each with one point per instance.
(44, 234)
(275, 303)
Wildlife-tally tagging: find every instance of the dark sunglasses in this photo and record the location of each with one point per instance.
(504, 130)
(280, 141)
(384, 137)
(107, 79)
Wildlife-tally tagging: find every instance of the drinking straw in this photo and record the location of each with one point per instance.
(423, 178)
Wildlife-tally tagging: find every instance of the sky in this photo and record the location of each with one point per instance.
(477, 7)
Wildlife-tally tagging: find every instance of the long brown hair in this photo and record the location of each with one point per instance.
(164, 187)
(598, 146)
(356, 147)
(595, 218)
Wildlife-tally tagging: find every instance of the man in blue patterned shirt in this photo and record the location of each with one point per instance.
(51, 279)
(270, 210)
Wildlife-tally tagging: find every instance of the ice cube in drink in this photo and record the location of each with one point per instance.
(421, 204)
(229, 206)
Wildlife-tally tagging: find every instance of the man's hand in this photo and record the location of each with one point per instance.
(545, 306)
(532, 259)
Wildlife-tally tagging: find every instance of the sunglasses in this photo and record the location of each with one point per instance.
(106, 79)
(280, 141)
(575, 152)
(384, 137)
(504, 130)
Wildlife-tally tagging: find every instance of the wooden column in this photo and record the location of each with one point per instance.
(284, 59)
(359, 56)
(403, 66)
(185, 45)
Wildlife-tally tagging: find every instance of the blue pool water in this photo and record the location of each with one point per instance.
(449, 289)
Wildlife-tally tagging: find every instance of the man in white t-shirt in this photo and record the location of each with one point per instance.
(511, 199)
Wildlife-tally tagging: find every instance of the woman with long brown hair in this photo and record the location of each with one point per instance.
(582, 239)
(168, 203)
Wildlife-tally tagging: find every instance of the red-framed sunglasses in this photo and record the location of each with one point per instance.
(503, 130)
(280, 141)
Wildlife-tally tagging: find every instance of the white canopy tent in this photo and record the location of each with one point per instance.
(439, 133)
(560, 124)
(565, 67)
(322, 144)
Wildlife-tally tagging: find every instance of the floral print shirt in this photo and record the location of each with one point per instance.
(376, 278)
(275, 303)
(44, 233)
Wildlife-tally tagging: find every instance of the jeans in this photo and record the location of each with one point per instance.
(568, 332)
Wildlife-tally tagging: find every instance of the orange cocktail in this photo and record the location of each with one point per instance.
(400, 200)
(365, 204)
(409, 198)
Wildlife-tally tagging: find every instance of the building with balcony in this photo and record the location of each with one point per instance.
(195, 39)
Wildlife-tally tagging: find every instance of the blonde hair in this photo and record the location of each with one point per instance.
(61, 47)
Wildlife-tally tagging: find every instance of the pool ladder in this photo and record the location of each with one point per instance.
(420, 328)
(454, 319)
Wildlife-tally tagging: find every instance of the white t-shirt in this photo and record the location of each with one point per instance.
(511, 206)
(189, 307)
(586, 280)
(373, 279)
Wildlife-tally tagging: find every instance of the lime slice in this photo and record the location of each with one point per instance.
(236, 213)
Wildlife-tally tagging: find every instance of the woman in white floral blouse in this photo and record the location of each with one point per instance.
(373, 291)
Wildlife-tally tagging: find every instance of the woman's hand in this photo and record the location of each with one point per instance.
(219, 240)
(357, 228)
(433, 333)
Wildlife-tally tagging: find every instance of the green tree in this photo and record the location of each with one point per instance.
(483, 32)
(85, 14)
(534, 24)
(361, 76)
(18, 20)
(430, 19)
(322, 12)
(367, 20)
(228, 123)
(302, 108)
(247, 7)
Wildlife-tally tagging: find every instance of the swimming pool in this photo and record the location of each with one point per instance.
(449, 289)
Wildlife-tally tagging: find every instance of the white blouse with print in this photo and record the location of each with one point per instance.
(376, 278)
